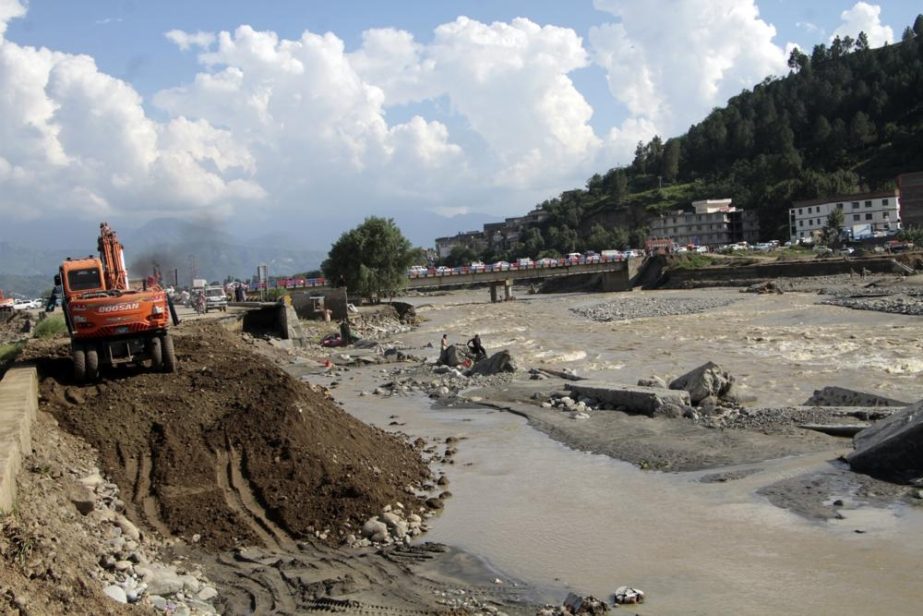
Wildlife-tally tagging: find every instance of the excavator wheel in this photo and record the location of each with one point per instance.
(156, 351)
(79, 358)
(92, 364)
(169, 357)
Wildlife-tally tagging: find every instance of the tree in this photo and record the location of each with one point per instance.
(908, 35)
(460, 255)
(862, 43)
(835, 221)
(797, 60)
(371, 259)
(918, 26)
(669, 167)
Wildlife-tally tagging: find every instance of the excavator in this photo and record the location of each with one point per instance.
(109, 322)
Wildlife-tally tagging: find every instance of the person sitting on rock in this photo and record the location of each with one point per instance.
(476, 348)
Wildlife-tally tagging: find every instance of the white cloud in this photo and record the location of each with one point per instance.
(864, 17)
(9, 9)
(185, 40)
(508, 80)
(74, 139)
(670, 67)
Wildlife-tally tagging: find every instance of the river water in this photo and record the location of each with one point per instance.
(560, 518)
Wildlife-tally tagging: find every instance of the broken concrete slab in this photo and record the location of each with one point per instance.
(893, 445)
(842, 396)
(706, 380)
(638, 399)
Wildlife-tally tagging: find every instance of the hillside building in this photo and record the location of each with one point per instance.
(864, 215)
(712, 222)
(475, 240)
(910, 186)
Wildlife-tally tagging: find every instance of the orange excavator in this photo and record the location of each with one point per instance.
(109, 322)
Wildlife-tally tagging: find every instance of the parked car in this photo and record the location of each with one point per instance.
(27, 304)
(442, 270)
(500, 266)
(477, 266)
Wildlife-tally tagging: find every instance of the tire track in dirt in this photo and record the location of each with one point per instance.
(143, 495)
(229, 478)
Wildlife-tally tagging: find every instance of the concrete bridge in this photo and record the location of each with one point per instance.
(616, 276)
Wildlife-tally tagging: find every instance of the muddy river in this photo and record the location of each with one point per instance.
(559, 518)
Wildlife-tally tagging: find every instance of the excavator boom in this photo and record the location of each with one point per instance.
(113, 258)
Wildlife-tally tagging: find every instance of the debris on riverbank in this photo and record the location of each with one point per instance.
(632, 307)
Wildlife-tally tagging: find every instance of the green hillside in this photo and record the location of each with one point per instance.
(846, 118)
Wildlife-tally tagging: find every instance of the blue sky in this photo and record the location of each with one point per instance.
(434, 116)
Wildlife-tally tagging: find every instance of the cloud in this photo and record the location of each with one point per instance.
(509, 81)
(108, 20)
(9, 9)
(670, 67)
(864, 17)
(186, 40)
(76, 140)
(808, 27)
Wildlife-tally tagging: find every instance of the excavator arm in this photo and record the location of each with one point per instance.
(113, 258)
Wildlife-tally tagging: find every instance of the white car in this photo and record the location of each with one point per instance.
(26, 304)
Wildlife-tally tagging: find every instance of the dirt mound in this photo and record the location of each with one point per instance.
(232, 448)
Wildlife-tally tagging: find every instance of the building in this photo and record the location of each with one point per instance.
(910, 186)
(864, 215)
(712, 222)
(475, 240)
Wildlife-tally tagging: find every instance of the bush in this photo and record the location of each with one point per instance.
(8, 352)
(691, 261)
(50, 327)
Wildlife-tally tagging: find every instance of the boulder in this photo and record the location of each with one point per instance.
(453, 356)
(891, 446)
(653, 381)
(499, 362)
(589, 605)
(374, 527)
(706, 380)
(625, 595)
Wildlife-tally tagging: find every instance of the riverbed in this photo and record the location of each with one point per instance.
(564, 519)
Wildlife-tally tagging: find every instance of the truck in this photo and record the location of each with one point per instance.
(216, 299)
(109, 322)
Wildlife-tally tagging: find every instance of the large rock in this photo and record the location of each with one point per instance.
(841, 396)
(891, 446)
(637, 399)
(453, 356)
(706, 380)
(495, 364)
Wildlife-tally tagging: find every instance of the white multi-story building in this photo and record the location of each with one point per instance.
(712, 222)
(864, 214)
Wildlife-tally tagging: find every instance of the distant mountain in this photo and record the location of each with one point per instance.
(175, 246)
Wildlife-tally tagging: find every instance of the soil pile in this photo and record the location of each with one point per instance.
(231, 448)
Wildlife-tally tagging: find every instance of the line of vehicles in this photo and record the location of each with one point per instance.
(9, 304)
(524, 263)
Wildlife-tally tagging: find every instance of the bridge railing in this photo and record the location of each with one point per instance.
(438, 272)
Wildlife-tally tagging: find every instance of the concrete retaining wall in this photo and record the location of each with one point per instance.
(18, 408)
(747, 274)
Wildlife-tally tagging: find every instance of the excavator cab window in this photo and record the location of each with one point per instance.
(84, 279)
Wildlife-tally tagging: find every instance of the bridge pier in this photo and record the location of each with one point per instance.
(507, 290)
(618, 280)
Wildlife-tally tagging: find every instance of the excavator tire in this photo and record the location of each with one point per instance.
(79, 358)
(156, 351)
(169, 356)
(92, 364)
